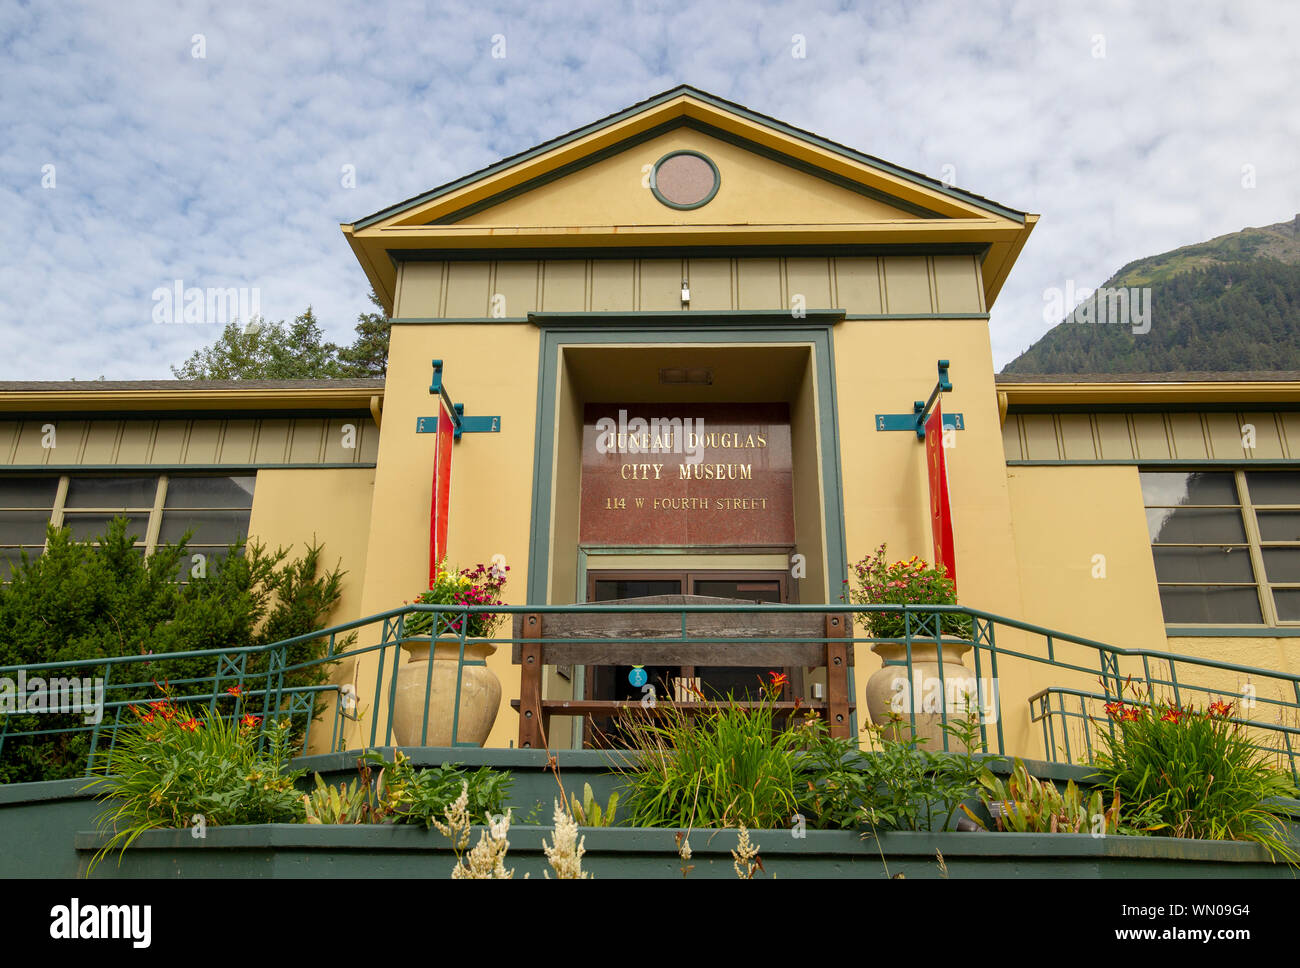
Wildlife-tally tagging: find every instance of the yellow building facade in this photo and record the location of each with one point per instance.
(690, 258)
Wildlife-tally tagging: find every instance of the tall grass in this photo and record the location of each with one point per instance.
(732, 765)
(1183, 772)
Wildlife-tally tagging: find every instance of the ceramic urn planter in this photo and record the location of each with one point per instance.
(889, 693)
(480, 694)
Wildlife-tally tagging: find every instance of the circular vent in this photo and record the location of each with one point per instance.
(685, 179)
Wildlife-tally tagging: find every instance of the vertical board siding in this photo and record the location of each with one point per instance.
(199, 442)
(1174, 436)
(858, 285)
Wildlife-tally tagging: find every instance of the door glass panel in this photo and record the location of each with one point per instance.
(615, 589)
(744, 682)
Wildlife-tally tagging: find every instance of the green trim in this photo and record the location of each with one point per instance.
(687, 317)
(557, 173)
(756, 333)
(1165, 462)
(176, 468)
(672, 249)
(654, 180)
(451, 320)
(554, 337)
(1247, 632)
(1244, 406)
(869, 317)
(923, 181)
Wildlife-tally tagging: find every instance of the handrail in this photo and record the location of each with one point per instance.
(279, 688)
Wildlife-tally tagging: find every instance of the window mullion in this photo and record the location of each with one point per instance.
(155, 516)
(1256, 553)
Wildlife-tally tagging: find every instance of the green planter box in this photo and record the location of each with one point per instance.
(294, 850)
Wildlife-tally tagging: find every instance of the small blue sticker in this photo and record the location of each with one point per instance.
(637, 676)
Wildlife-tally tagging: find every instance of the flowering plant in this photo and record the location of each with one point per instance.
(877, 581)
(471, 586)
(1186, 772)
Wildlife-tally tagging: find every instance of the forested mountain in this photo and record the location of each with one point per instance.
(1229, 304)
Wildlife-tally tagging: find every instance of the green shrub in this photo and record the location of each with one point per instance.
(100, 598)
(897, 786)
(1183, 772)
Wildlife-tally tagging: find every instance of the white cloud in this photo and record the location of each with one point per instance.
(225, 171)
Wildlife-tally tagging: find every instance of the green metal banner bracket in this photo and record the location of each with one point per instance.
(915, 421)
(463, 424)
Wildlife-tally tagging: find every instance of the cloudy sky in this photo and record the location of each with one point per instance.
(127, 162)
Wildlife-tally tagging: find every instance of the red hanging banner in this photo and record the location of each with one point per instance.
(441, 491)
(940, 506)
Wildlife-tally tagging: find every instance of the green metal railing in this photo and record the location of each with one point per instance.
(269, 683)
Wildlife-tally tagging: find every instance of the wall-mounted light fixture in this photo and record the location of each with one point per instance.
(686, 291)
(686, 376)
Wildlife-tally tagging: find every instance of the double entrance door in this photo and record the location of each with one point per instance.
(678, 682)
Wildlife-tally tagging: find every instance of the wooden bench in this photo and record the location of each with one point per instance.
(771, 639)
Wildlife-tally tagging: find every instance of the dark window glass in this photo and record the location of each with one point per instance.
(1213, 564)
(1176, 488)
(28, 492)
(90, 526)
(11, 557)
(202, 559)
(112, 492)
(754, 591)
(210, 527)
(23, 527)
(1278, 525)
(610, 590)
(1273, 487)
(210, 492)
(1196, 526)
(1288, 604)
(1211, 605)
(1282, 564)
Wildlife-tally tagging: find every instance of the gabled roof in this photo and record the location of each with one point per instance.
(513, 206)
(705, 97)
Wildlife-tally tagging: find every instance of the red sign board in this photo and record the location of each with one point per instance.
(677, 474)
(940, 505)
(441, 491)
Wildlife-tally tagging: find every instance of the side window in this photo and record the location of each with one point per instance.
(26, 504)
(1274, 498)
(1201, 550)
(216, 510)
(159, 508)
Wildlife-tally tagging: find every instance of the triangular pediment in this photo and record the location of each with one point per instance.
(610, 184)
(752, 188)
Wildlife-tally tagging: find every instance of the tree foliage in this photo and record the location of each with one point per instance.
(1232, 316)
(261, 350)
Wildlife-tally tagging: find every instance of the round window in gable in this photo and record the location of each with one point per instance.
(685, 179)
